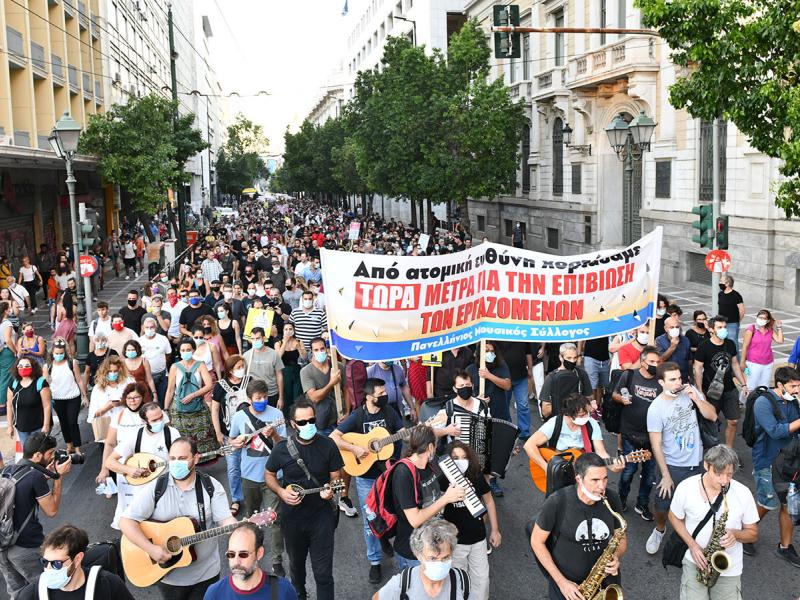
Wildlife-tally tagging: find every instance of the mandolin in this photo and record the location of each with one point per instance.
(540, 477)
(336, 486)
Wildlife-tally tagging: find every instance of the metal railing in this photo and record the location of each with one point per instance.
(37, 57)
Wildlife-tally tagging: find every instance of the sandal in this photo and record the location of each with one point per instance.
(235, 511)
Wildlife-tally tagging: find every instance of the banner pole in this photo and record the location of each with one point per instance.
(337, 389)
(482, 384)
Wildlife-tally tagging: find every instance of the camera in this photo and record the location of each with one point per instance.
(61, 456)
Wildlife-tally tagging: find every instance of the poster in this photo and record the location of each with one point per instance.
(424, 240)
(258, 317)
(432, 359)
(355, 228)
(390, 307)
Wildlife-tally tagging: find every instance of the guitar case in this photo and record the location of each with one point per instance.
(560, 473)
(432, 406)
(107, 556)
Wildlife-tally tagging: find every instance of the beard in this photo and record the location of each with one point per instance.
(244, 573)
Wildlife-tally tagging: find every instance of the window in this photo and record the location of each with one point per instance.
(603, 21)
(559, 22)
(526, 57)
(481, 223)
(552, 238)
(558, 158)
(587, 230)
(706, 191)
(508, 227)
(526, 151)
(576, 178)
(663, 178)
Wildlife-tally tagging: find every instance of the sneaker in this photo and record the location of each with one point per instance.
(127, 277)
(789, 554)
(33, 311)
(497, 491)
(749, 549)
(654, 541)
(644, 511)
(346, 506)
(375, 574)
(277, 569)
(488, 549)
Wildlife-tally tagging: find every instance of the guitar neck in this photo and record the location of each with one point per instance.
(276, 423)
(207, 534)
(391, 439)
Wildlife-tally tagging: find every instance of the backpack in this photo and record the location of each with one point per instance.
(461, 574)
(39, 384)
(8, 486)
(161, 487)
(612, 411)
(137, 447)
(105, 555)
(91, 584)
(188, 385)
(379, 502)
(749, 424)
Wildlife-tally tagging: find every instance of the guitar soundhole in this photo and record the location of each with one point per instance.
(173, 545)
(373, 446)
(151, 466)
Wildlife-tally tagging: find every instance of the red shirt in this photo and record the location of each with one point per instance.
(418, 380)
(629, 353)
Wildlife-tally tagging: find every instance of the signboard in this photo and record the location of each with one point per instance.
(392, 307)
(88, 265)
(424, 240)
(432, 359)
(258, 317)
(191, 238)
(355, 229)
(718, 261)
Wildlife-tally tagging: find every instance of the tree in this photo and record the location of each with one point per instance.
(136, 148)
(239, 162)
(738, 60)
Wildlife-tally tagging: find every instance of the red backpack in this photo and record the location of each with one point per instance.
(381, 515)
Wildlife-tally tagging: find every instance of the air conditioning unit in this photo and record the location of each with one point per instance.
(117, 78)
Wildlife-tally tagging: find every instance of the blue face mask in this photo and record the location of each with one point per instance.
(194, 301)
(321, 356)
(259, 405)
(187, 355)
(722, 333)
(131, 354)
(58, 357)
(388, 363)
(437, 569)
(112, 376)
(306, 432)
(490, 356)
(179, 469)
(157, 427)
(55, 579)
(258, 344)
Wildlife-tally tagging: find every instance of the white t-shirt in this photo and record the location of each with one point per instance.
(100, 396)
(100, 326)
(175, 317)
(126, 422)
(155, 350)
(689, 503)
(152, 443)
(567, 438)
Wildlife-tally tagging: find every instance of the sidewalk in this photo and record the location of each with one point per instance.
(115, 293)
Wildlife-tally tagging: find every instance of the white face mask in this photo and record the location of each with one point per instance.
(674, 332)
(238, 373)
(643, 338)
(588, 494)
(308, 303)
(462, 464)
(581, 421)
(661, 312)
(761, 322)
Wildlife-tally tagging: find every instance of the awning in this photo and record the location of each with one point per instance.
(249, 191)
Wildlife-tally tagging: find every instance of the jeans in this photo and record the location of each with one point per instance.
(196, 591)
(24, 435)
(648, 475)
(256, 496)
(161, 380)
(363, 486)
(733, 334)
(234, 462)
(519, 390)
(19, 566)
(310, 533)
(405, 563)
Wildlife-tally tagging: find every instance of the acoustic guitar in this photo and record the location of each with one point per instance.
(539, 476)
(336, 486)
(155, 465)
(175, 537)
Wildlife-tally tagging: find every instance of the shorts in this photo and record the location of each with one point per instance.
(129, 262)
(677, 474)
(597, 370)
(766, 496)
(728, 405)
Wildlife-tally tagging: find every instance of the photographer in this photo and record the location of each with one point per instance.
(19, 562)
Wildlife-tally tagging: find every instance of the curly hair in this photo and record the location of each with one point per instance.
(111, 361)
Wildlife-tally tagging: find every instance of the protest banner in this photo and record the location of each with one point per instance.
(389, 307)
(424, 240)
(355, 228)
(258, 317)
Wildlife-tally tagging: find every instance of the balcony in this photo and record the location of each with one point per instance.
(52, 2)
(72, 71)
(58, 70)
(520, 89)
(38, 62)
(43, 143)
(95, 27)
(83, 16)
(16, 49)
(550, 82)
(22, 138)
(98, 92)
(608, 63)
(69, 9)
(87, 86)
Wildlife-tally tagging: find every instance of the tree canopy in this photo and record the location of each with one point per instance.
(239, 162)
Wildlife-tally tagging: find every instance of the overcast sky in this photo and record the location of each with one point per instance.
(286, 47)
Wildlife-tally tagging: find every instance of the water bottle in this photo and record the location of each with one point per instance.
(793, 502)
(626, 395)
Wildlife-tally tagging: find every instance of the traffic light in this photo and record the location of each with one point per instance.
(704, 225)
(506, 45)
(89, 227)
(722, 232)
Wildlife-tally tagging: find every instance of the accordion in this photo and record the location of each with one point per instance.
(492, 439)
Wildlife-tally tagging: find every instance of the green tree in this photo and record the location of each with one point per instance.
(738, 60)
(239, 163)
(136, 148)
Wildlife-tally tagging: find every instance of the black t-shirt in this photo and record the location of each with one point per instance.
(403, 497)
(470, 529)
(108, 585)
(643, 391)
(190, 314)
(716, 358)
(28, 411)
(321, 457)
(444, 376)
(516, 357)
(95, 361)
(695, 339)
(728, 305)
(362, 421)
(219, 394)
(584, 531)
(31, 485)
(132, 317)
(596, 348)
(660, 325)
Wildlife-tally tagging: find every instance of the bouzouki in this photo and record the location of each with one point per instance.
(336, 486)
(539, 476)
(175, 537)
(155, 465)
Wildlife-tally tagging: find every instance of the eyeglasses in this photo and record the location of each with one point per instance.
(230, 554)
(134, 397)
(302, 422)
(56, 564)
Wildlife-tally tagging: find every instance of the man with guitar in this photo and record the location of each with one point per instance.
(373, 414)
(308, 460)
(259, 417)
(181, 492)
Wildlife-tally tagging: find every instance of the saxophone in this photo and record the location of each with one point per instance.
(590, 588)
(717, 560)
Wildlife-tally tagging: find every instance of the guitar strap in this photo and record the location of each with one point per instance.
(137, 447)
(205, 480)
(259, 424)
(295, 454)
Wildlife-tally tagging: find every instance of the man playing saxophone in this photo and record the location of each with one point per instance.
(712, 566)
(573, 530)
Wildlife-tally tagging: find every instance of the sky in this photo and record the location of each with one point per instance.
(288, 48)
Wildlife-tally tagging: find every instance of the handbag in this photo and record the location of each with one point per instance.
(709, 431)
(675, 548)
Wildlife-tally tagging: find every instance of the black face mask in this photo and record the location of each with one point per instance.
(651, 370)
(465, 393)
(570, 365)
(701, 325)
(382, 401)
(131, 303)
(722, 287)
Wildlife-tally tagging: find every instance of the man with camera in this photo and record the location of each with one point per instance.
(19, 556)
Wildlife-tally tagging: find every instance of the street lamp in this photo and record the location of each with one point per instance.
(630, 141)
(585, 149)
(413, 28)
(64, 142)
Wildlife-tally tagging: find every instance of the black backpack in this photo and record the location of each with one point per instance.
(560, 468)
(612, 411)
(749, 424)
(107, 556)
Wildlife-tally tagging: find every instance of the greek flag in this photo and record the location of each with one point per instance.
(344, 9)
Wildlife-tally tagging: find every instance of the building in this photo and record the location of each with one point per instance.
(574, 199)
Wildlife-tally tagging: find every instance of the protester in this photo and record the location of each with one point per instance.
(731, 306)
(68, 390)
(567, 379)
(28, 400)
(757, 353)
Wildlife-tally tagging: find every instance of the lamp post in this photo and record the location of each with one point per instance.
(413, 28)
(64, 142)
(630, 141)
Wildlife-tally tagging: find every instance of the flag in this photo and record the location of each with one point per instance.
(344, 9)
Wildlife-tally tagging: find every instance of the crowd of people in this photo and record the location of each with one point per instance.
(180, 374)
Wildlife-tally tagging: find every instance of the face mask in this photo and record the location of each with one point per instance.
(24, 371)
(207, 330)
(642, 338)
(462, 464)
(194, 301)
(29, 333)
(759, 322)
(187, 355)
(381, 401)
(661, 312)
(308, 303)
(276, 268)
(786, 395)
(131, 354)
(651, 370)
(321, 356)
(157, 427)
(436, 570)
(251, 293)
(289, 286)
(165, 280)
(590, 495)
(259, 405)
(112, 376)
(581, 421)
(150, 332)
(258, 344)
(238, 373)
(722, 333)
(674, 332)
(465, 393)
(118, 326)
(306, 432)
(55, 579)
(569, 365)
(490, 356)
(58, 357)
(199, 341)
(722, 287)
(227, 295)
(179, 469)
(101, 345)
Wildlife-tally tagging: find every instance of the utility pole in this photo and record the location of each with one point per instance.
(716, 208)
(179, 191)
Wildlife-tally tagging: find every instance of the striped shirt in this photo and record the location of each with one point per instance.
(308, 325)
(211, 269)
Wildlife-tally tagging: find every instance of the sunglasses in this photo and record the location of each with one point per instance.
(302, 422)
(56, 564)
(230, 554)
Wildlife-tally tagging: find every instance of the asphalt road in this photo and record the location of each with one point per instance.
(513, 572)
